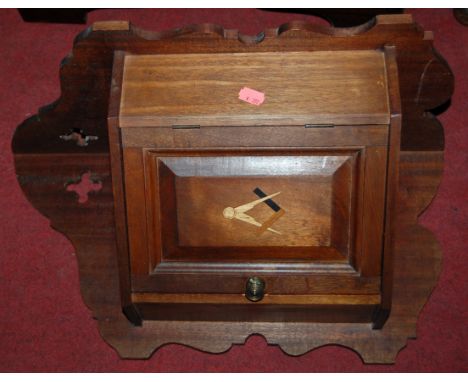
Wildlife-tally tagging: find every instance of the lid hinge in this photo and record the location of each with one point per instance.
(185, 127)
(319, 126)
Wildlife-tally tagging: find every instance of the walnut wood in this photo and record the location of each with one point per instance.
(342, 87)
(425, 79)
(213, 312)
(110, 25)
(392, 189)
(296, 136)
(325, 299)
(45, 164)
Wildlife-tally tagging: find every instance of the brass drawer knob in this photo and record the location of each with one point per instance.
(254, 289)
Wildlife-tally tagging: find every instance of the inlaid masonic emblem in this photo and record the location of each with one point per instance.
(239, 212)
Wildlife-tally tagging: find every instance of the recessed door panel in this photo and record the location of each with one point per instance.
(224, 207)
(263, 201)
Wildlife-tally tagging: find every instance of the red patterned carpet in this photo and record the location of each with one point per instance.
(44, 325)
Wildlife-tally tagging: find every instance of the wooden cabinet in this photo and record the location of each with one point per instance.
(292, 191)
(200, 218)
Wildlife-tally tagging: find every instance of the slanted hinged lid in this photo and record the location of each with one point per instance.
(300, 88)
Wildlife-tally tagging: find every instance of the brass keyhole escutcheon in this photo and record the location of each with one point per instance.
(254, 289)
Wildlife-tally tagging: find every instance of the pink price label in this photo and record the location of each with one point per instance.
(251, 96)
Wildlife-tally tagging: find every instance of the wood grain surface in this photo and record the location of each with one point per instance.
(45, 164)
(340, 87)
(212, 184)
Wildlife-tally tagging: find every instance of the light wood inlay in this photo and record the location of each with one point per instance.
(239, 213)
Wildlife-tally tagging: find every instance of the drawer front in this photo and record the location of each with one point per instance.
(203, 221)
